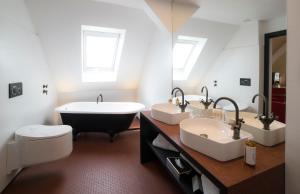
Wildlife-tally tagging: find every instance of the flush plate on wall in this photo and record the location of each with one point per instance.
(245, 82)
(15, 89)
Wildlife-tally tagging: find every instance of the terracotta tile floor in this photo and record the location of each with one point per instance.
(97, 166)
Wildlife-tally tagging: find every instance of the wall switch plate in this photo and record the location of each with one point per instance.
(15, 89)
(215, 83)
(245, 82)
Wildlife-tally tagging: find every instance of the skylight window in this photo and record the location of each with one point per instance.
(101, 53)
(186, 52)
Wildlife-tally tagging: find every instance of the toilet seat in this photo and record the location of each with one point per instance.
(39, 132)
(36, 144)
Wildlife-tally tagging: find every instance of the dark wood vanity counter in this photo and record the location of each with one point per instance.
(234, 177)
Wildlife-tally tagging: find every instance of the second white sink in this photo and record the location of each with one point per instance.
(212, 138)
(271, 137)
(168, 113)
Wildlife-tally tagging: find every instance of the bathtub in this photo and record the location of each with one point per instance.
(107, 117)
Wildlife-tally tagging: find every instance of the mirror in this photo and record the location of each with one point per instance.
(220, 46)
(275, 73)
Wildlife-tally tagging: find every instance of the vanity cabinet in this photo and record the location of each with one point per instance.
(278, 103)
(232, 177)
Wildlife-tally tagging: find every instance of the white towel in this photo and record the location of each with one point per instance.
(196, 183)
(208, 186)
(162, 143)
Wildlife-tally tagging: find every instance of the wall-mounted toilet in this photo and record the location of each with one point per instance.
(37, 144)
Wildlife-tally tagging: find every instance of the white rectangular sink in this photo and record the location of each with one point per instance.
(168, 113)
(198, 110)
(199, 105)
(212, 138)
(271, 137)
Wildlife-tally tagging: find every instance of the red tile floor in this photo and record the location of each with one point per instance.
(97, 166)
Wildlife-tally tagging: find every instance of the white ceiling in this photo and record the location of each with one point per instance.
(226, 11)
(237, 11)
(127, 3)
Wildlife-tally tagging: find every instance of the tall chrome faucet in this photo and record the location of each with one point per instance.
(207, 102)
(238, 122)
(99, 96)
(266, 119)
(183, 103)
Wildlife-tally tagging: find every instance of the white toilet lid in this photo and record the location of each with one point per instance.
(34, 132)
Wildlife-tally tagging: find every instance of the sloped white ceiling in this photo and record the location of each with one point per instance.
(160, 12)
(226, 11)
(181, 13)
(138, 4)
(237, 11)
(217, 34)
(58, 23)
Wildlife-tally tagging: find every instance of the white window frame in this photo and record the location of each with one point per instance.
(198, 46)
(101, 74)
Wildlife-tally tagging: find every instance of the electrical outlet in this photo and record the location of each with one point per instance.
(245, 82)
(15, 89)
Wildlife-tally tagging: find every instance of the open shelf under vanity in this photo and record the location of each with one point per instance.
(232, 177)
(184, 183)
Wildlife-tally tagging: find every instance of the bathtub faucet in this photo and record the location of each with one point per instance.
(100, 96)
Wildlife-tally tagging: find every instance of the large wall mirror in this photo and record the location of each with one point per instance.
(219, 48)
(275, 72)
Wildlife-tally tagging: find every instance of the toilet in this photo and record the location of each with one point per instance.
(36, 144)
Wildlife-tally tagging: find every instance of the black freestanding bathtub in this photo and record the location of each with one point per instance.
(106, 117)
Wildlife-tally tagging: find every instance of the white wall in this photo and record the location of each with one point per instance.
(21, 59)
(218, 35)
(156, 80)
(239, 59)
(59, 23)
(273, 25)
(293, 105)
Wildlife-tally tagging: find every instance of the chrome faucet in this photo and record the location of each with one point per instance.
(184, 103)
(238, 122)
(265, 118)
(99, 96)
(207, 102)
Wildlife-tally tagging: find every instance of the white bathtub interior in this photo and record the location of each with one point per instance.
(101, 108)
